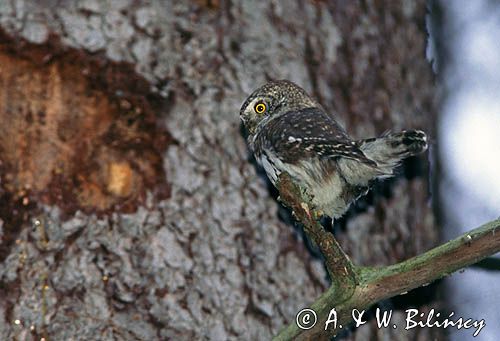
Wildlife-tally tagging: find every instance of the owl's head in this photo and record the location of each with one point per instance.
(273, 99)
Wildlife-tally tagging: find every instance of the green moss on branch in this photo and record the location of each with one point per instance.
(355, 287)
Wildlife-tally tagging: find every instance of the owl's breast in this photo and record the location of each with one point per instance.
(329, 191)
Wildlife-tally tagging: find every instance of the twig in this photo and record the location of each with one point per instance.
(366, 286)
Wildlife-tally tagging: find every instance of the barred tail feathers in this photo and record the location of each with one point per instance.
(390, 149)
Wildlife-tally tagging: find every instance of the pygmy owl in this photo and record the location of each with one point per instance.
(288, 131)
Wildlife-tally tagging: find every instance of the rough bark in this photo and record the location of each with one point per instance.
(129, 206)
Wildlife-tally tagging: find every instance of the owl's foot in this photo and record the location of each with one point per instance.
(312, 214)
(305, 207)
(318, 214)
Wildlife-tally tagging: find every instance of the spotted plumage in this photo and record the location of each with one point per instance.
(290, 132)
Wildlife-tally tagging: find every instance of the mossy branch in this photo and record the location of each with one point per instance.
(340, 268)
(356, 287)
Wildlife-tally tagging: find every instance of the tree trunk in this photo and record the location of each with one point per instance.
(129, 207)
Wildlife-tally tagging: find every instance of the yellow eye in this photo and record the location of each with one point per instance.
(260, 108)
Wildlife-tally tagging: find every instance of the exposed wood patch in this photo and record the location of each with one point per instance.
(76, 130)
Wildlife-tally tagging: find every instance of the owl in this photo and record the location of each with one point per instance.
(288, 131)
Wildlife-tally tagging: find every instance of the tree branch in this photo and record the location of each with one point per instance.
(340, 268)
(364, 286)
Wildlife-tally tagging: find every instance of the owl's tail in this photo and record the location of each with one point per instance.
(387, 152)
(390, 149)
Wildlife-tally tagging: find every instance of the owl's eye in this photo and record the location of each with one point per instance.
(260, 108)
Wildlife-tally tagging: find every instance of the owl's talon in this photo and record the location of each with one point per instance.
(318, 214)
(312, 214)
(305, 207)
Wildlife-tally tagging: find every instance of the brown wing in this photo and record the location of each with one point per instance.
(305, 134)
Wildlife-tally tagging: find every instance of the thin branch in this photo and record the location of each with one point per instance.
(366, 286)
(340, 268)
